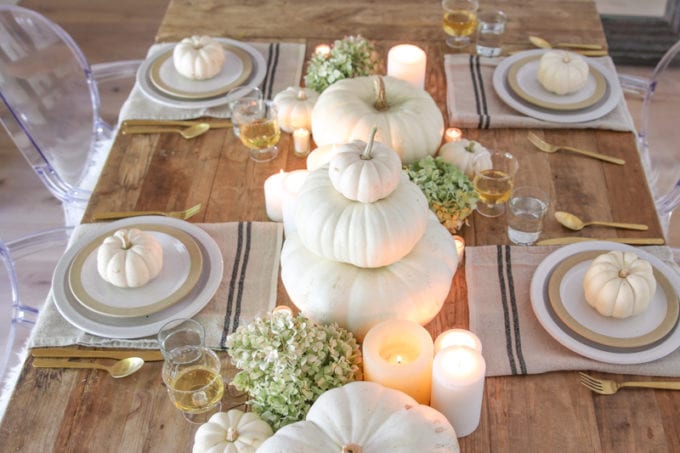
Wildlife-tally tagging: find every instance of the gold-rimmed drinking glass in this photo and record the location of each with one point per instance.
(493, 180)
(460, 21)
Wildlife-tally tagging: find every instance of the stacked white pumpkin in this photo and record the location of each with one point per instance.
(367, 248)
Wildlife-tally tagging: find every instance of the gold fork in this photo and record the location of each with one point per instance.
(184, 215)
(609, 387)
(541, 144)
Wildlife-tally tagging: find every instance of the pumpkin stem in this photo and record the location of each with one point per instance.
(126, 241)
(380, 102)
(351, 448)
(302, 96)
(623, 273)
(232, 434)
(366, 155)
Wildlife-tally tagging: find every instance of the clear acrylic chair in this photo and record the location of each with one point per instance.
(25, 281)
(51, 104)
(658, 128)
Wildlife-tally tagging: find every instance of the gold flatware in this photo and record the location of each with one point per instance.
(543, 44)
(575, 239)
(214, 124)
(585, 53)
(184, 215)
(187, 132)
(149, 355)
(544, 146)
(609, 387)
(121, 368)
(572, 222)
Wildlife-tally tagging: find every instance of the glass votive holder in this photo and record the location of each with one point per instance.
(490, 29)
(526, 209)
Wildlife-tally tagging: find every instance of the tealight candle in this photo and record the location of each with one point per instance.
(453, 134)
(301, 142)
(283, 309)
(407, 62)
(460, 248)
(458, 387)
(323, 50)
(457, 337)
(398, 354)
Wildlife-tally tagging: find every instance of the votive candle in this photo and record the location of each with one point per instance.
(283, 309)
(453, 134)
(301, 142)
(407, 62)
(323, 50)
(457, 337)
(398, 354)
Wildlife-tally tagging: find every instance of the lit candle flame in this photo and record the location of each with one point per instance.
(453, 134)
(323, 50)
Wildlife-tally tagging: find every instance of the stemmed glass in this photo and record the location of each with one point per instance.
(242, 96)
(259, 128)
(460, 21)
(493, 180)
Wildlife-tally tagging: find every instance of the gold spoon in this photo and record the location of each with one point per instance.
(574, 223)
(187, 132)
(543, 44)
(121, 368)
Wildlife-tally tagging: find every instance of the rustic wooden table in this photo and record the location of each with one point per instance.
(67, 410)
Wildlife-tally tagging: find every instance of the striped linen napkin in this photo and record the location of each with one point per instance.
(284, 69)
(250, 251)
(473, 103)
(514, 342)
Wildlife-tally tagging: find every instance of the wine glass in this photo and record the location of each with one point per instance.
(240, 96)
(460, 21)
(259, 128)
(493, 180)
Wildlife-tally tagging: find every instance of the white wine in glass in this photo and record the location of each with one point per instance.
(259, 129)
(460, 21)
(493, 180)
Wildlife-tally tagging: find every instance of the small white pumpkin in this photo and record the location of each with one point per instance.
(562, 72)
(365, 172)
(198, 57)
(129, 258)
(407, 117)
(461, 153)
(231, 432)
(295, 108)
(619, 284)
(365, 417)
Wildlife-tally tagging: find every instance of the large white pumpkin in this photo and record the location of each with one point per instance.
(407, 118)
(365, 417)
(413, 288)
(364, 234)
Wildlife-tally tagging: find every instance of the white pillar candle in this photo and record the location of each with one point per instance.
(273, 186)
(289, 190)
(320, 156)
(460, 248)
(453, 134)
(407, 62)
(457, 337)
(301, 142)
(398, 354)
(458, 387)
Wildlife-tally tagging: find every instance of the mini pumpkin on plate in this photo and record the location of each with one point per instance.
(129, 258)
(619, 284)
(562, 72)
(198, 57)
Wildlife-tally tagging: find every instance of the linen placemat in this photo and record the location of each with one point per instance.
(284, 68)
(250, 251)
(514, 342)
(472, 101)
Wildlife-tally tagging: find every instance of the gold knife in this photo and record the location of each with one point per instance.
(214, 124)
(149, 355)
(630, 241)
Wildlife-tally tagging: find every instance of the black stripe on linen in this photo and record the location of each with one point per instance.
(270, 55)
(506, 314)
(272, 63)
(242, 276)
(474, 86)
(232, 286)
(482, 92)
(515, 315)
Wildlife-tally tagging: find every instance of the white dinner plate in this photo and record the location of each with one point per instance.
(141, 326)
(606, 104)
(147, 87)
(541, 307)
(182, 265)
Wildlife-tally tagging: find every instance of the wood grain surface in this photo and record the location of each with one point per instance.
(55, 410)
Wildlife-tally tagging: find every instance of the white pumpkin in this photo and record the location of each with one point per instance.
(129, 258)
(412, 288)
(407, 118)
(562, 72)
(365, 172)
(231, 432)
(295, 108)
(461, 153)
(198, 57)
(365, 417)
(619, 284)
(364, 234)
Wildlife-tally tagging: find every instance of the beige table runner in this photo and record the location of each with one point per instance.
(514, 342)
(250, 251)
(473, 103)
(284, 69)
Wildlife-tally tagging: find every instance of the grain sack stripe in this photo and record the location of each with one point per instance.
(482, 93)
(506, 314)
(272, 64)
(242, 275)
(232, 286)
(515, 314)
(476, 90)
